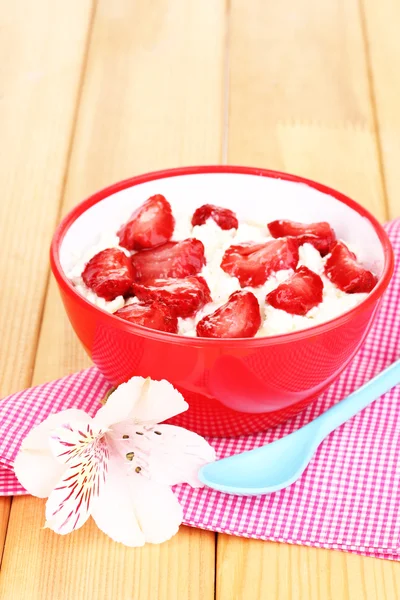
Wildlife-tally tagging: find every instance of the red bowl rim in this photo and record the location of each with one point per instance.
(113, 321)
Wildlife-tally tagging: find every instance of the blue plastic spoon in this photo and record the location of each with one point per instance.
(279, 464)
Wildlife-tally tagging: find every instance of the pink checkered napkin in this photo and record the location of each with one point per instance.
(348, 498)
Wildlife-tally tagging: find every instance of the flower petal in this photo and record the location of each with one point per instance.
(69, 504)
(157, 509)
(158, 401)
(35, 466)
(133, 509)
(143, 400)
(177, 454)
(114, 511)
(120, 404)
(75, 439)
(38, 472)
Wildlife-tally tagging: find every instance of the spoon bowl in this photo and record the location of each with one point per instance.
(270, 467)
(279, 464)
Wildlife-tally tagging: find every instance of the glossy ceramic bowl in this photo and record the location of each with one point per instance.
(233, 386)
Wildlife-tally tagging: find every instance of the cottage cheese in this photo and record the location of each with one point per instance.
(222, 285)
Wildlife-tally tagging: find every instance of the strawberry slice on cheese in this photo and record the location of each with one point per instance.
(183, 296)
(109, 274)
(298, 294)
(344, 271)
(239, 317)
(320, 235)
(253, 263)
(173, 259)
(155, 315)
(152, 224)
(224, 218)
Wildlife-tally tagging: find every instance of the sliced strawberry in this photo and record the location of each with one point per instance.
(173, 259)
(109, 274)
(320, 235)
(298, 294)
(152, 224)
(238, 318)
(155, 315)
(253, 263)
(224, 218)
(344, 271)
(183, 296)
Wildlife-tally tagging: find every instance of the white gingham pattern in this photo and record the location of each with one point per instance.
(348, 498)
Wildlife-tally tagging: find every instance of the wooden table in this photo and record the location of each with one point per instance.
(97, 91)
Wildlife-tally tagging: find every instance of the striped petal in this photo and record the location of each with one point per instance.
(83, 447)
(74, 439)
(35, 467)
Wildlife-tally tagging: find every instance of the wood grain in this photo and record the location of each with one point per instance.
(135, 115)
(252, 569)
(299, 94)
(47, 42)
(42, 46)
(300, 101)
(86, 565)
(308, 87)
(382, 22)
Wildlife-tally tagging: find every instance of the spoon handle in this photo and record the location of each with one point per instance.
(357, 401)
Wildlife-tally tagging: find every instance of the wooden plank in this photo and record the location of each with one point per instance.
(87, 565)
(299, 96)
(42, 45)
(152, 98)
(252, 569)
(299, 101)
(382, 22)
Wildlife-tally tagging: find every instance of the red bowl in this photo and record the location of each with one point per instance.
(236, 386)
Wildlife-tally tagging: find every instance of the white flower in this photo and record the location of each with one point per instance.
(117, 467)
